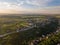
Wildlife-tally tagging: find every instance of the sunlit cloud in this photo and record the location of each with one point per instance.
(6, 5)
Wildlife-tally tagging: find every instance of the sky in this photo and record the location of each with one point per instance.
(30, 6)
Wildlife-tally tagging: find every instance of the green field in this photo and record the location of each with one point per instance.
(44, 25)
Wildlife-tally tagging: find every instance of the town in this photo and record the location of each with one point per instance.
(30, 30)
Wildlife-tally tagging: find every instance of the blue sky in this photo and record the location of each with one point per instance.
(54, 3)
(35, 6)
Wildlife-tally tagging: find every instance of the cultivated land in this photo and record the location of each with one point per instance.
(30, 30)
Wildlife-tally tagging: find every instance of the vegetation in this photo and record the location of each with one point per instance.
(44, 26)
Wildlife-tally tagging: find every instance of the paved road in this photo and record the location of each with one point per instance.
(24, 29)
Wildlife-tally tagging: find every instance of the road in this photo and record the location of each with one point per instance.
(24, 29)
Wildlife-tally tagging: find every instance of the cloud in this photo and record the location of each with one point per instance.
(38, 2)
(45, 10)
(21, 4)
(48, 10)
(34, 2)
(17, 7)
(7, 5)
